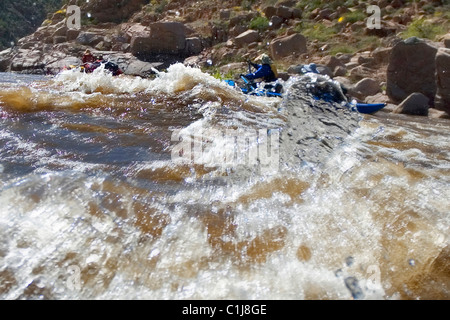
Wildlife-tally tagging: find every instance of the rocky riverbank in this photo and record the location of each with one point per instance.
(395, 63)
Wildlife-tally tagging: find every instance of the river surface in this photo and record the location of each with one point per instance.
(181, 187)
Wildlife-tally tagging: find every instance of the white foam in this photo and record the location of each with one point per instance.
(99, 79)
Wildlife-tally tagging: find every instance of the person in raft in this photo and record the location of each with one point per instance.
(88, 57)
(265, 71)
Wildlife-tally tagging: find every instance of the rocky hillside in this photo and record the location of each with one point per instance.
(220, 36)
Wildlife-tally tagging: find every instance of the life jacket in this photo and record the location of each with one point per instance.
(274, 70)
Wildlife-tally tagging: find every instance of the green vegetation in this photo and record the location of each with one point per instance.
(215, 72)
(354, 16)
(422, 28)
(19, 18)
(310, 5)
(360, 43)
(342, 48)
(316, 31)
(259, 23)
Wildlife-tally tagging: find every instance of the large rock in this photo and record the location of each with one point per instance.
(5, 60)
(247, 37)
(284, 12)
(28, 61)
(159, 38)
(365, 88)
(130, 65)
(332, 62)
(412, 69)
(89, 38)
(62, 31)
(72, 34)
(275, 22)
(57, 66)
(194, 46)
(288, 45)
(443, 80)
(446, 40)
(381, 55)
(140, 68)
(270, 11)
(415, 104)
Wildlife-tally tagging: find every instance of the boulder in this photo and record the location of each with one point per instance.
(5, 60)
(411, 69)
(296, 13)
(30, 44)
(30, 61)
(284, 12)
(240, 19)
(332, 62)
(193, 46)
(377, 98)
(325, 70)
(359, 73)
(57, 66)
(288, 45)
(345, 82)
(275, 22)
(140, 68)
(159, 38)
(344, 57)
(247, 37)
(381, 55)
(415, 104)
(443, 80)
(237, 30)
(446, 40)
(59, 39)
(340, 71)
(72, 34)
(62, 31)
(130, 65)
(365, 88)
(130, 30)
(270, 11)
(88, 38)
(324, 14)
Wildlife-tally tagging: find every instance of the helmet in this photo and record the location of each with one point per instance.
(265, 59)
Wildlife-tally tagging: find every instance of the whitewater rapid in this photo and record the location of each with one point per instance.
(114, 188)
